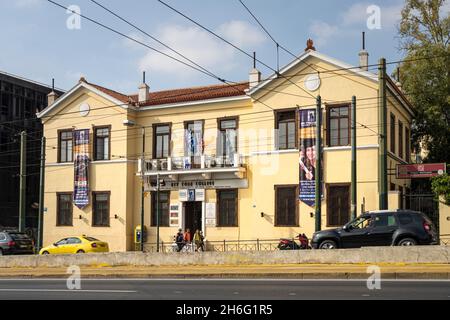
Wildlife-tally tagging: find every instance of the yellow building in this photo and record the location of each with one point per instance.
(227, 156)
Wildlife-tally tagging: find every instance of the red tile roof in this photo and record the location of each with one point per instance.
(195, 94)
(181, 95)
(117, 95)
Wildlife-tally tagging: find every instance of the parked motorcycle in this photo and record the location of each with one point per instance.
(291, 244)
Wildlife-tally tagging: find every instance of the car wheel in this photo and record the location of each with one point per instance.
(328, 244)
(1, 252)
(80, 251)
(407, 242)
(45, 252)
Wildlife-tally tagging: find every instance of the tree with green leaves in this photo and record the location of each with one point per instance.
(424, 36)
(441, 187)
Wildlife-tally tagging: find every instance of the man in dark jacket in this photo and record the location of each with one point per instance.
(180, 239)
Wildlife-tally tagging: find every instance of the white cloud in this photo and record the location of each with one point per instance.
(241, 33)
(352, 20)
(130, 44)
(201, 47)
(357, 14)
(193, 43)
(390, 16)
(322, 31)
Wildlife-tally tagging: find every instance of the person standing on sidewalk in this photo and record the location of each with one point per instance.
(202, 242)
(187, 236)
(198, 240)
(188, 239)
(179, 239)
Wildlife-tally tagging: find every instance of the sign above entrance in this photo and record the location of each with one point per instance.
(191, 195)
(199, 194)
(185, 195)
(423, 170)
(199, 185)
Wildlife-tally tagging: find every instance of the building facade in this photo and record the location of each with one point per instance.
(226, 159)
(20, 100)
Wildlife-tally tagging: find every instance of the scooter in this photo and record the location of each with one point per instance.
(290, 244)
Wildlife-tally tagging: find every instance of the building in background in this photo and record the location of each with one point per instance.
(227, 156)
(20, 100)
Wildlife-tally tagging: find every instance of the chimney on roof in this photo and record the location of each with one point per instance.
(364, 55)
(255, 74)
(52, 96)
(144, 90)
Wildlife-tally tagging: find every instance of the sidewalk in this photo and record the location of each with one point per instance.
(289, 271)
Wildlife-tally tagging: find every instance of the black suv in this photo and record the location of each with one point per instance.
(379, 228)
(13, 242)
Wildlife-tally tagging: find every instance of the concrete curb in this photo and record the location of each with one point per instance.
(371, 255)
(298, 276)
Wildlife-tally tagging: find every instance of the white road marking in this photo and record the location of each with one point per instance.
(227, 280)
(292, 294)
(366, 295)
(178, 292)
(235, 292)
(66, 290)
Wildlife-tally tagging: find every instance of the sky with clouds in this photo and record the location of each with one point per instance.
(37, 44)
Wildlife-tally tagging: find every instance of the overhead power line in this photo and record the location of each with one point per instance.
(273, 39)
(126, 36)
(233, 45)
(120, 33)
(147, 46)
(152, 37)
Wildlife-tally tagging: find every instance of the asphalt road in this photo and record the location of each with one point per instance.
(223, 289)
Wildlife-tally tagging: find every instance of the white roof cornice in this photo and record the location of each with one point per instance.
(311, 53)
(89, 87)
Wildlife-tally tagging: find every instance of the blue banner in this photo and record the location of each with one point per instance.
(81, 164)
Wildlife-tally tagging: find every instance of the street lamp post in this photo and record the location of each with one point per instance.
(41, 196)
(142, 189)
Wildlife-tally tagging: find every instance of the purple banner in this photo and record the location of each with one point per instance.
(81, 163)
(307, 159)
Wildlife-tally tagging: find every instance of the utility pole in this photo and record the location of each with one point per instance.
(142, 189)
(23, 187)
(157, 212)
(382, 118)
(354, 177)
(318, 177)
(41, 197)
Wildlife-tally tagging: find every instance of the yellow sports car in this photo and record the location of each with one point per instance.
(83, 244)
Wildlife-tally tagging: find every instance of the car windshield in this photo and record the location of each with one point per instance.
(360, 223)
(60, 242)
(19, 236)
(91, 239)
(73, 241)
